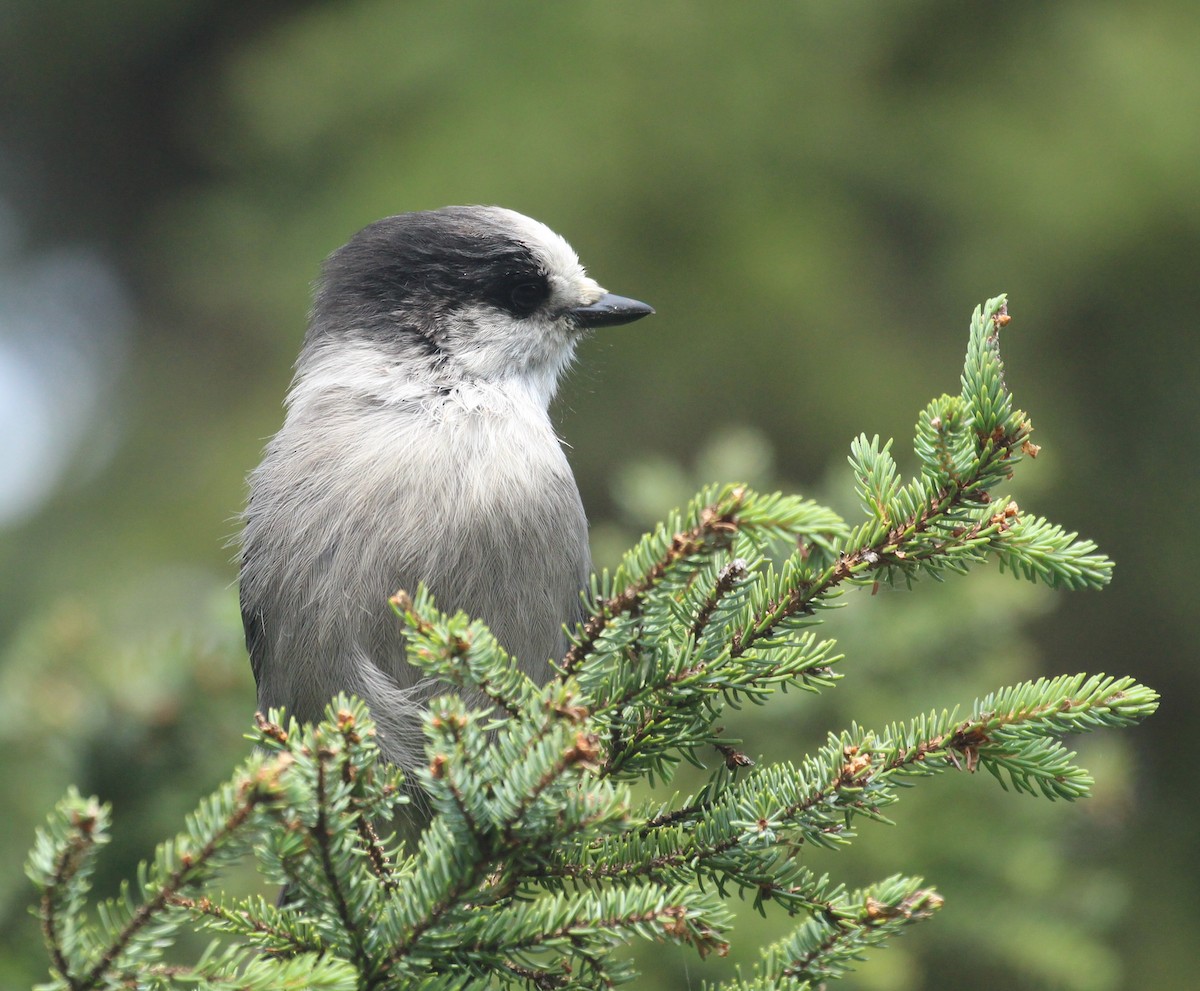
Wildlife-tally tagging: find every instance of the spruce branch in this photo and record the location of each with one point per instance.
(322, 835)
(711, 521)
(256, 920)
(538, 864)
(464, 654)
(61, 865)
(747, 835)
(127, 930)
(825, 947)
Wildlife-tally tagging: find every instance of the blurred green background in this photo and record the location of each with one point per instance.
(814, 196)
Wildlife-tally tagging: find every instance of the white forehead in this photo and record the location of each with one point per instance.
(561, 263)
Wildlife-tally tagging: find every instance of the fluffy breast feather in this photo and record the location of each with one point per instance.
(469, 492)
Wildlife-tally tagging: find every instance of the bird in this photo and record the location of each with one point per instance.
(417, 447)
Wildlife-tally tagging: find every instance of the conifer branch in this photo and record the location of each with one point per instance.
(189, 872)
(87, 824)
(466, 655)
(715, 525)
(536, 864)
(321, 837)
(166, 883)
(727, 580)
(824, 946)
(249, 921)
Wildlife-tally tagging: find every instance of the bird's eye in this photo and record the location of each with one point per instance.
(527, 295)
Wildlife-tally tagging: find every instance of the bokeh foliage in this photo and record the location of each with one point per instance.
(810, 195)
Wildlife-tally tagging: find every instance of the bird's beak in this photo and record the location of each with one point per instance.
(610, 310)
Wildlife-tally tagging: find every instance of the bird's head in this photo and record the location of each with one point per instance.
(461, 294)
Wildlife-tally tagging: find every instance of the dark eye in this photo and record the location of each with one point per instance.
(527, 295)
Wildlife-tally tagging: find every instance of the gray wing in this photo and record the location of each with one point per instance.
(252, 624)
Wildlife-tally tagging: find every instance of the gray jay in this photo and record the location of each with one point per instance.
(417, 447)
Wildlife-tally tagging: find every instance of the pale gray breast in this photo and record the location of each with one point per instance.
(339, 519)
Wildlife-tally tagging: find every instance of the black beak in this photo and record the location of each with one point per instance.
(610, 311)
